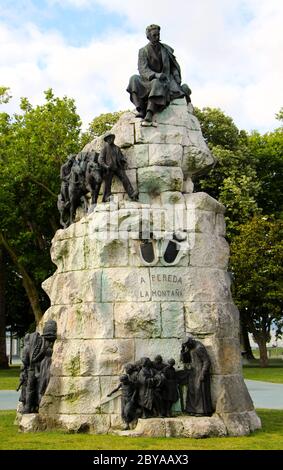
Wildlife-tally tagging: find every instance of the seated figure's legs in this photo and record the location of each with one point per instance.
(137, 94)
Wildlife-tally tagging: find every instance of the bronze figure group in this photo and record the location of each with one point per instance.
(150, 388)
(84, 173)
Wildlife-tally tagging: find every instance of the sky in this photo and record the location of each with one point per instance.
(230, 53)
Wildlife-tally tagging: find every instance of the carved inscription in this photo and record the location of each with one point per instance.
(163, 287)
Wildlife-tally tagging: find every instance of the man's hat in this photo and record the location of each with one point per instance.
(107, 135)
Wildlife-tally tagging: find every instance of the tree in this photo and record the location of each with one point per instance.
(33, 146)
(267, 152)
(219, 129)
(256, 262)
(233, 180)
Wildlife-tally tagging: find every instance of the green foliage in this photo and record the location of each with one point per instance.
(273, 374)
(267, 151)
(4, 94)
(257, 264)
(33, 145)
(9, 378)
(247, 179)
(218, 129)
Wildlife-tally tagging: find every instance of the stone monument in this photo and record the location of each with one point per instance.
(134, 279)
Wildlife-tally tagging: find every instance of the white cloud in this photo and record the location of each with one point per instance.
(230, 54)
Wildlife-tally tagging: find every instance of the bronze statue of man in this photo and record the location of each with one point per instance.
(159, 81)
(113, 162)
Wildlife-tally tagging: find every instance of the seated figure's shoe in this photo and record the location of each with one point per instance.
(148, 116)
(140, 112)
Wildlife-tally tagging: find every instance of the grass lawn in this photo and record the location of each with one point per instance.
(273, 373)
(271, 438)
(9, 378)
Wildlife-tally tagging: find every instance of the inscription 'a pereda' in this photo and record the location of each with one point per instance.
(166, 278)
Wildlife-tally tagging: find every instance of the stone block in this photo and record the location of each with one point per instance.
(173, 115)
(124, 131)
(196, 161)
(83, 321)
(172, 319)
(100, 424)
(227, 316)
(73, 395)
(78, 229)
(224, 354)
(108, 252)
(254, 421)
(200, 318)
(200, 221)
(103, 219)
(83, 358)
(137, 320)
(156, 179)
(230, 394)
(237, 424)
(74, 287)
(200, 427)
(122, 284)
(30, 423)
(109, 405)
(167, 347)
(205, 318)
(74, 423)
(203, 201)
(162, 134)
(220, 225)
(208, 250)
(169, 198)
(190, 284)
(192, 122)
(68, 254)
(116, 421)
(165, 154)
(174, 427)
(151, 427)
(137, 156)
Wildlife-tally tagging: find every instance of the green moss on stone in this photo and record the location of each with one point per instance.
(74, 366)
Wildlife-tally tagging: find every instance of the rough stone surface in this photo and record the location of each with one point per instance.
(30, 423)
(157, 179)
(84, 320)
(172, 319)
(137, 320)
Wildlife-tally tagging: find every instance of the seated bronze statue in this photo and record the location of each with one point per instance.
(159, 81)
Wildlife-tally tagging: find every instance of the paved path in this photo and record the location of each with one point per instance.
(264, 395)
(9, 399)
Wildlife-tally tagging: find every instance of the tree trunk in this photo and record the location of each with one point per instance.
(28, 283)
(3, 356)
(245, 343)
(263, 359)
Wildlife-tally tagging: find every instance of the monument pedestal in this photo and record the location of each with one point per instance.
(113, 305)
